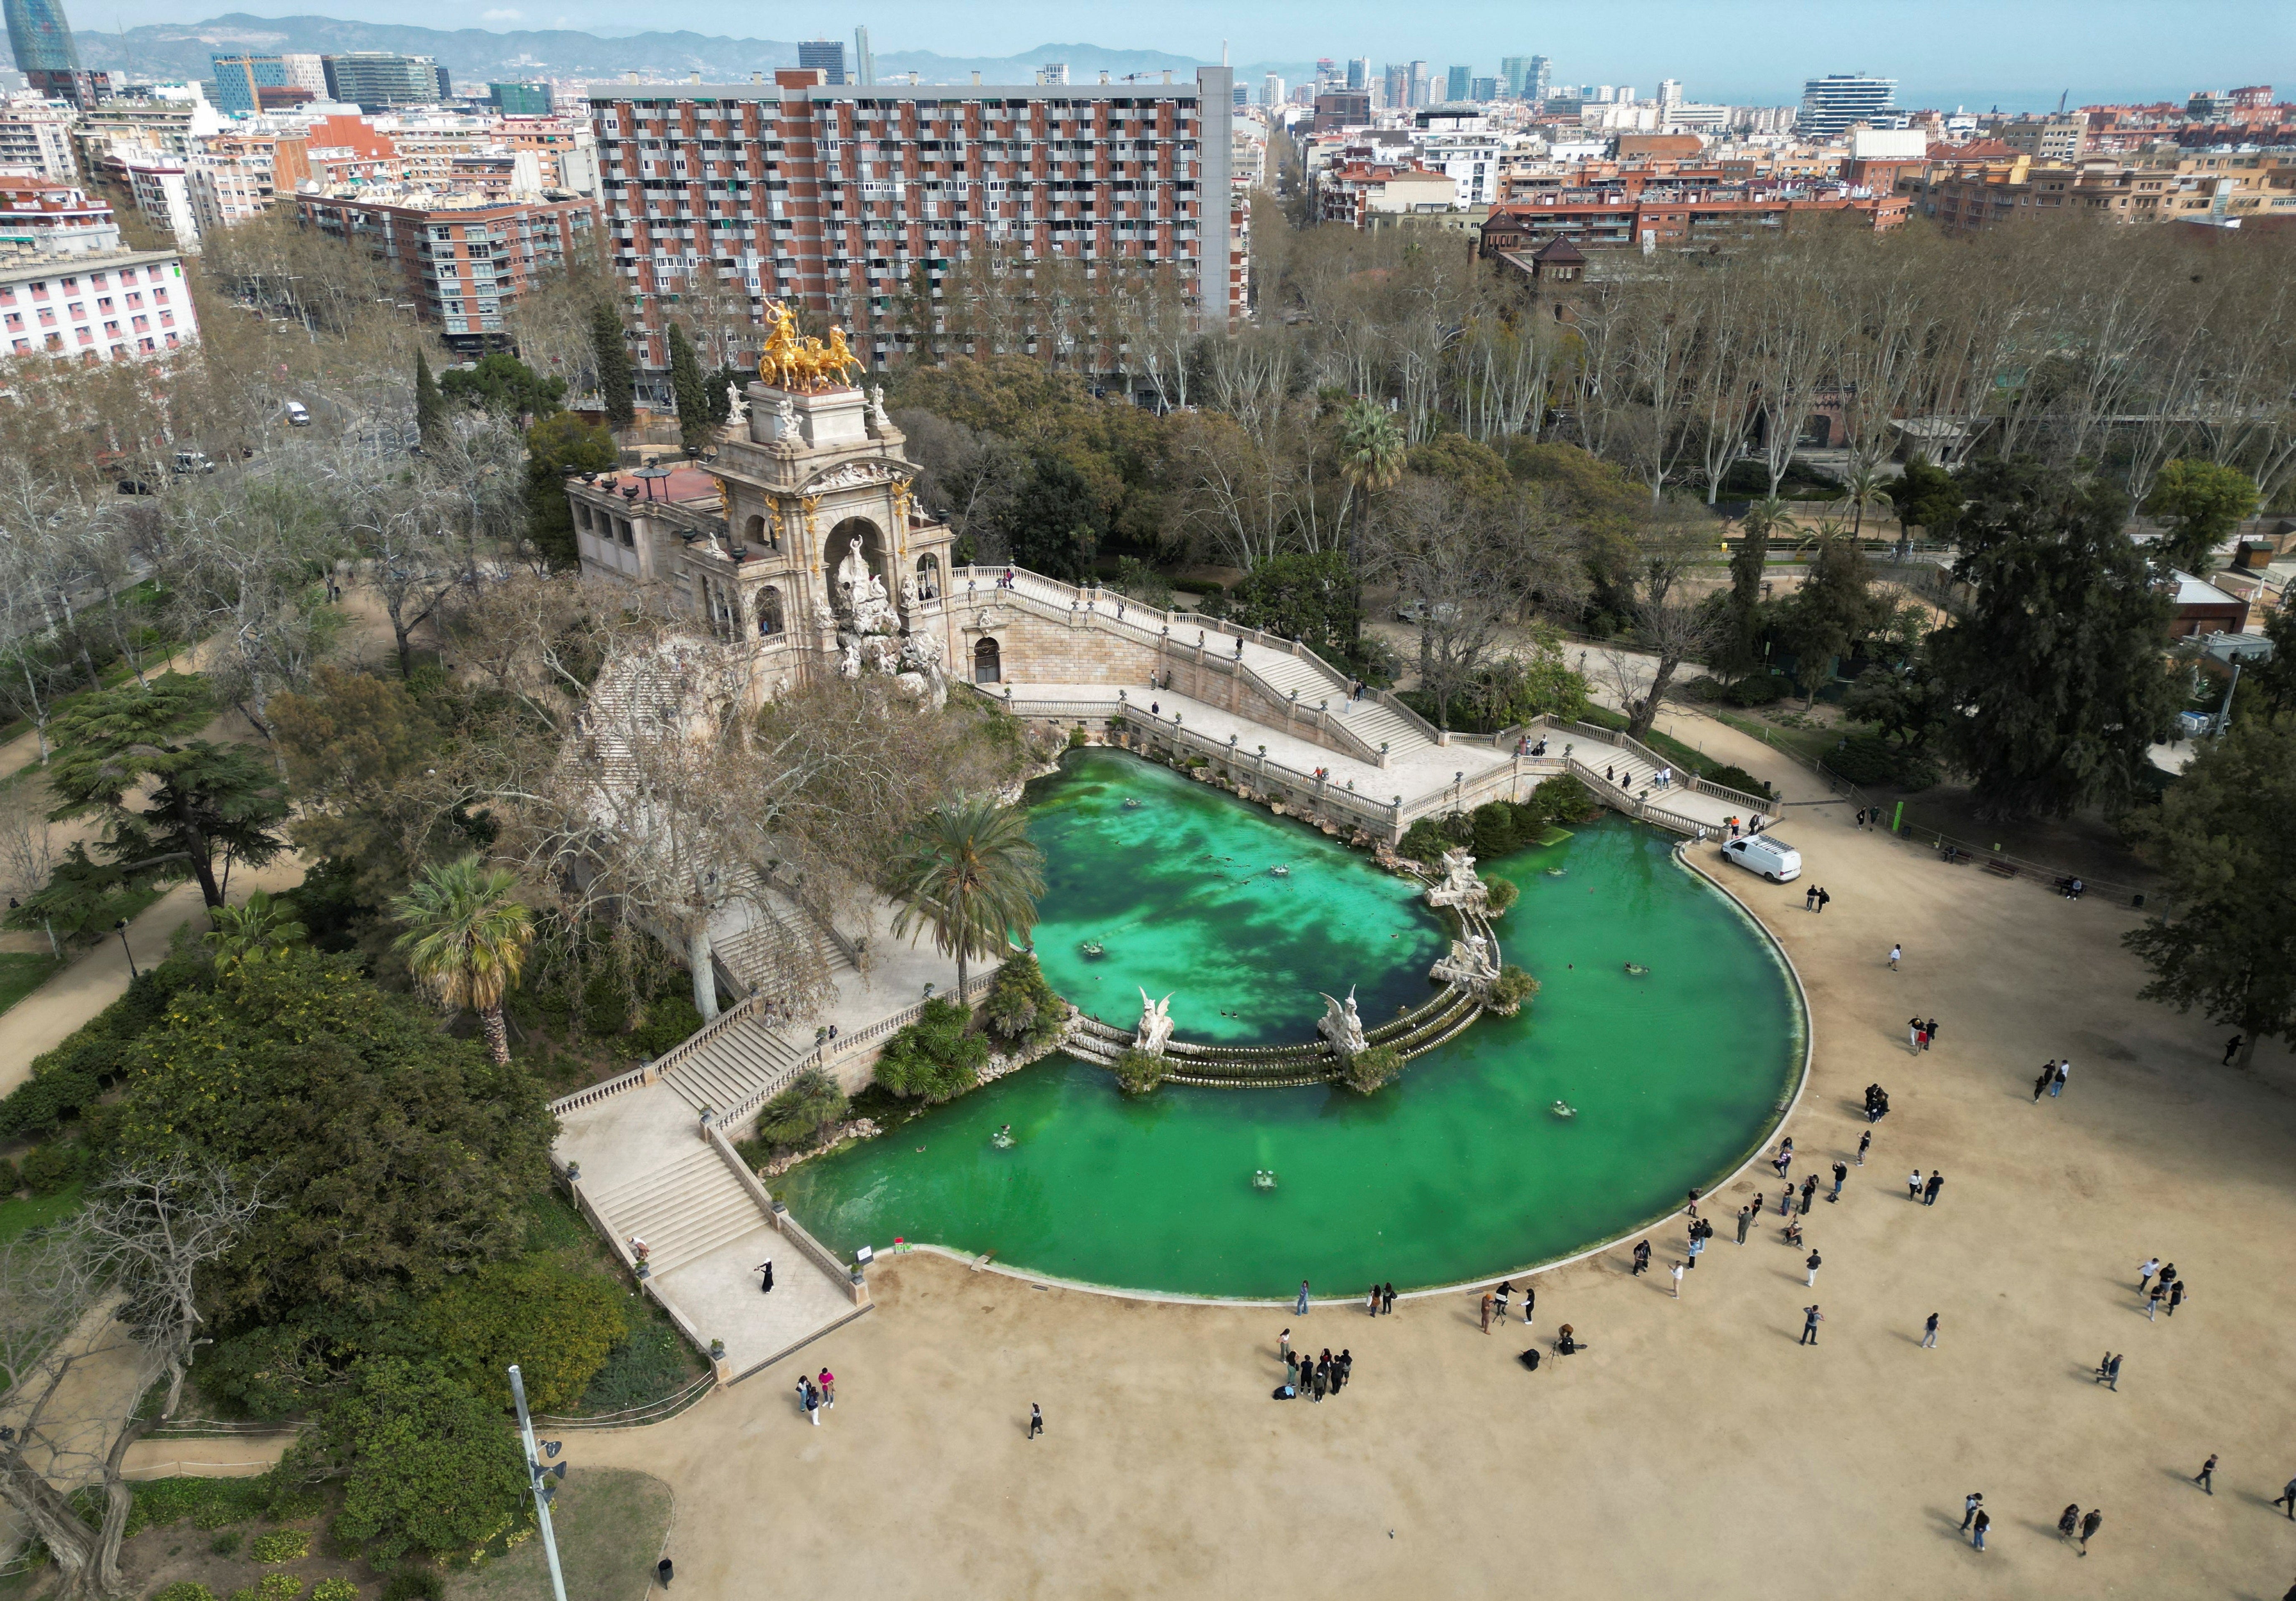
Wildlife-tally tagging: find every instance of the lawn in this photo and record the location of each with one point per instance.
(610, 1526)
(23, 972)
(36, 1211)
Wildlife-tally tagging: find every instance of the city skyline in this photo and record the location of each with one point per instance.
(1758, 52)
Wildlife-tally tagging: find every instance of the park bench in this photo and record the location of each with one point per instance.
(2000, 869)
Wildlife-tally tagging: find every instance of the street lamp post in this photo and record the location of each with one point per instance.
(535, 1475)
(121, 928)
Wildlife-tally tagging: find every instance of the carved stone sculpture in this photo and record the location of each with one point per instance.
(1342, 1026)
(1155, 1025)
(737, 410)
(1460, 886)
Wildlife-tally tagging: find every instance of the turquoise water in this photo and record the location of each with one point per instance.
(1458, 1169)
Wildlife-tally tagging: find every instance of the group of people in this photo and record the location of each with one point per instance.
(1380, 1298)
(1326, 1374)
(1924, 1190)
(1919, 1034)
(1877, 1107)
(1750, 829)
(2053, 1074)
(817, 1396)
(2156, 1284)
(1814, 898)
(1495, 1305)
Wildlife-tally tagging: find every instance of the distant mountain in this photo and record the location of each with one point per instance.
(474, 55)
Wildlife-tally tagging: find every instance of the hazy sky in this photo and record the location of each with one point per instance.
(1944, 52)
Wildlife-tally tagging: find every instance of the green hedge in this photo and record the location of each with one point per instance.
(936, 1057)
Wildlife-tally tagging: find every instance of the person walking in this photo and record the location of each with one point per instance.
(1814, 1262)
(1487, 1311)
(2145, 1269)
(1371, 1302)
(2206, 1477)
(2057, 1081)
(2153, 1297)
(1808, 1192)
(2089, 1526)
(1929, 1332)
(1971, 1505)
(766, 1269)
(1386, 1299)
(1930, 1190)
(2176, 1296)
(1809, 899)
(1914, 1186)
(1929, 1033)
(1822, 899)
(1642, 1257)
(2112, 1373)
(1914, 1034)
(1343, 1369)
(1037, 1418)
(1283, 1344)
(1976, 1530)
(2041, 1085)
(1840, 1176)
(1896, 952)
(2287, 1497)
(1865, 1143)
(828, 1382)
(1786, 1201)
(2069, 1520)
(2232, 1047)
(809, 1401)
(1810, 1319)
(1745, 1217)
(1505, 1290)
(1300, 1307)
(1677, 1270)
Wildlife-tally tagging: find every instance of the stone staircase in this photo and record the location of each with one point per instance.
(1370, 720)
(683, 1211)
(735, 1064)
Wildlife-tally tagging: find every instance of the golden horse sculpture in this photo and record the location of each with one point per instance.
(802, 364)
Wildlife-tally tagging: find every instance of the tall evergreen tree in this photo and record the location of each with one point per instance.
(430, 405)
(691, 391)
(2054, 680)
(613, 367)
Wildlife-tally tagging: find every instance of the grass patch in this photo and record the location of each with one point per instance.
(38, 1211)
(23, 972)
(1809, 744)
(609, 1525)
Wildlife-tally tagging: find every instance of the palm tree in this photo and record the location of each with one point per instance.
(1371, 448)
(466, 941)
(1863, 486)
(260, 930)
(973, 876)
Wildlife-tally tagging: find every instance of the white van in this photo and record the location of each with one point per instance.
(1765, 854)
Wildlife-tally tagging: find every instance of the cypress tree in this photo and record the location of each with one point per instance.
(691, 391)
(613, 367)
(430, 405)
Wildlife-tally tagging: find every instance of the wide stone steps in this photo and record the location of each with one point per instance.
(682, 1212)
(734, 1065)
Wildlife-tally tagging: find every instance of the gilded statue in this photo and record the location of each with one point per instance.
(792, 363)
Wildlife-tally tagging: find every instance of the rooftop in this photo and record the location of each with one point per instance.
(49, 267)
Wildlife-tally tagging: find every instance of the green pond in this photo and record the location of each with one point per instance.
(1459, 1169)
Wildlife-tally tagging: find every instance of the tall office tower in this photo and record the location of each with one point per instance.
(1327, 74)
(521, 99)
(1604, 94)
(823, 55)
(1537, 82)
(239, 79)
(1395, 88)
(1482, 91)
(865, 60)
(1626, 94)
(1053, 73)
(46, 54)
(1456, 83)
(1512, 70)
(1669, 93)
(376, 80)
(1272, 91)
(1830, 104)
(812, 194)
(1359, 72)
(1418, 85)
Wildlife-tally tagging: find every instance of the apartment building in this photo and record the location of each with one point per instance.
(834, 196)
(2045, 138)
(113, 307)
(463, 257)
(229, 190)
(1985, 185)
(162, 188)
(35, 137)
(40, 218)
(1355, 193)
(1669, 219)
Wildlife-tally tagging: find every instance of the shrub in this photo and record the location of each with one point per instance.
(334, 1590)
(1737, 778)
(802, 1114)
(936, 1056)
(11, 1180)
(185, 1590)
(226, 1543)
(645, 1368)
(415, 1584)
(71, 1076)
(1916, 771)
(1021, 1004)
(669, 1022)
(1759, 689)
(1510, 989)
(1367, 1071)
(425, 1461)
(557, 1324)
(52, 1167)
(283, 1545)
(1076, 738)
(1138, 1072)
(1503, 893)
(1563, 798)
(278, 1587)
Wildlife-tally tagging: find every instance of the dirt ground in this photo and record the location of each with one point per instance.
(1694, 1447)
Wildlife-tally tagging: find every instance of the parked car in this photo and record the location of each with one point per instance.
(1765, 854)
(194, 461)
(1442, 614)
(297, 415)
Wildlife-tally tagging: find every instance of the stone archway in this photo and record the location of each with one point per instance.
(874, 550)
(757, 531)
(929, 577)
(987, 662)
(770, 620)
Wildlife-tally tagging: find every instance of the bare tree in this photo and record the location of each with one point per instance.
(112, 1288)
(1670, 623)
(28, 844)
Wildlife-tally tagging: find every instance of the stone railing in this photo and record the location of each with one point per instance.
(708, 1031)
(856, 1284)
(1752, 803)
(1621, 799)
(631, 1079)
